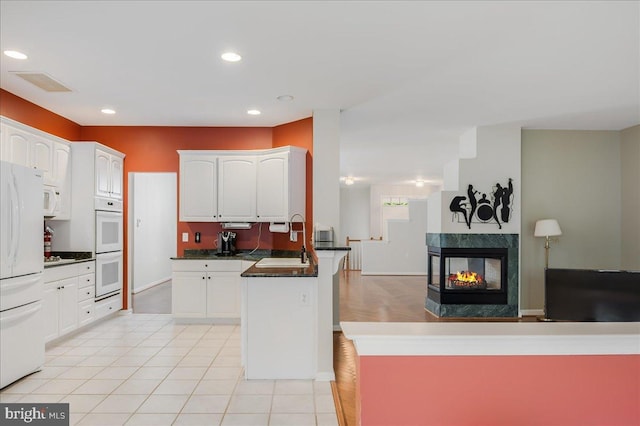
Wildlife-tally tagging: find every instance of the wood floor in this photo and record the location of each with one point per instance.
(371, 299)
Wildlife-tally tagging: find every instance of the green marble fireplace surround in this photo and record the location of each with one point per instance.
(479, 241)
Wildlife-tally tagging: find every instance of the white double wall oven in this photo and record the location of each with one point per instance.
(109, 258)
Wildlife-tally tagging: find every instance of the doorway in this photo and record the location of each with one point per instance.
(152, 240)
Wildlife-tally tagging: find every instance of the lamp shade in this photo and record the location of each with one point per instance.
(547, 228)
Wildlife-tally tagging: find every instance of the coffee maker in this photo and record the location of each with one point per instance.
(226, 243)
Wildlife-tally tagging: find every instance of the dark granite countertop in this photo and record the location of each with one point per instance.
(250, 255)
(307, 271)
(254, 256)
(322, 245)
(69, 258)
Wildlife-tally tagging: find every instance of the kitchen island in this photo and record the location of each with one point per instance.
(287, 327)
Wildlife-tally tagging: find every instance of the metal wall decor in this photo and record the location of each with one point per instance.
(475, 207)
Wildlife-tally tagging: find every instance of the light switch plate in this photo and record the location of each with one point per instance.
(185, 237)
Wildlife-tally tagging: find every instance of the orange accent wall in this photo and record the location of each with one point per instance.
(154, 149)
(499, 390)
(298, 133)
(18, 109)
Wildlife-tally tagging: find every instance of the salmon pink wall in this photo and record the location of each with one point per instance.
(32, 115)
(499, 390)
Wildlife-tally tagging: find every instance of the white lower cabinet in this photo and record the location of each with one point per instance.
(60, 307)
(206, 289)
(189, 294)
(108, 306)
(69, 292)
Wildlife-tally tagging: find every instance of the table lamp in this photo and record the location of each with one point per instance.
(547, 228)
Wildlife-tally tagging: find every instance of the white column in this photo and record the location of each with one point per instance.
(326, 168)
(328, 262)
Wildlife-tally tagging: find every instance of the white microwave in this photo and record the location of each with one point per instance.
(108, 231)
(51, 201)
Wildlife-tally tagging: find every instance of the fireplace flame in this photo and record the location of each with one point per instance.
(468, 277)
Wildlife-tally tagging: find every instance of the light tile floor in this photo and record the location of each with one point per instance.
(142, 369)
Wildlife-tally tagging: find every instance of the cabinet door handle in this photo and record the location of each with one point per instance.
(88, 312)
(88, 292)
(109, 203)
(203, 278)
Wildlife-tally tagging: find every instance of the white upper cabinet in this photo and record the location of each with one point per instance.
(198, 189)
(108, 178)
(237, 188)
(273, 187)
(61, 160)
(282, 185)
(30, 149)
(247, 186)
(42, 158)
(16, 146)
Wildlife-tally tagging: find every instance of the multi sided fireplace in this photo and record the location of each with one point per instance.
(472, 275)
(467, 276)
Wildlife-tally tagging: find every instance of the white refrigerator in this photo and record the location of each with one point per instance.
(21, 268)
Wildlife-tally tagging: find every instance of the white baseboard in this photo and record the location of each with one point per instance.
(325, 376)
(151, 284)
(531, 312)
(336, 327)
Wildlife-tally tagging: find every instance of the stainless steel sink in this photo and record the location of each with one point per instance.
(281, 262)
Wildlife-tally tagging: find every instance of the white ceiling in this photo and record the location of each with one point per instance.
(409, 77)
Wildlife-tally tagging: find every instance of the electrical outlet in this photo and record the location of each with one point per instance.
(185, 237)
(293, 236)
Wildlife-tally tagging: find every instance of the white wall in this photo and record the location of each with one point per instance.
(380, 191)
(326, 168)
(574, 177)
(354, 213)
(152, 228)
(404, 252)
(497, 158)
(630, 190)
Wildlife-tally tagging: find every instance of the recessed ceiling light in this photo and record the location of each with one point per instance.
(349, 180)
(231, 56)
(285, 98)
(15, 54)
(419, 183)
(254, 112)
(108, 111)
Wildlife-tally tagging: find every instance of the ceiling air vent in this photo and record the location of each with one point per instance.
(42, 80)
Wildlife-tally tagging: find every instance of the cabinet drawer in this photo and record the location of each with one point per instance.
(86, 293)
(108, 204)
(87, 267)
(108, 306)
(87, 280)
(214, 265)
(56, 273)
(86, 313)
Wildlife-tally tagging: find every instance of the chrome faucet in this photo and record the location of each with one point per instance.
(303, 252)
